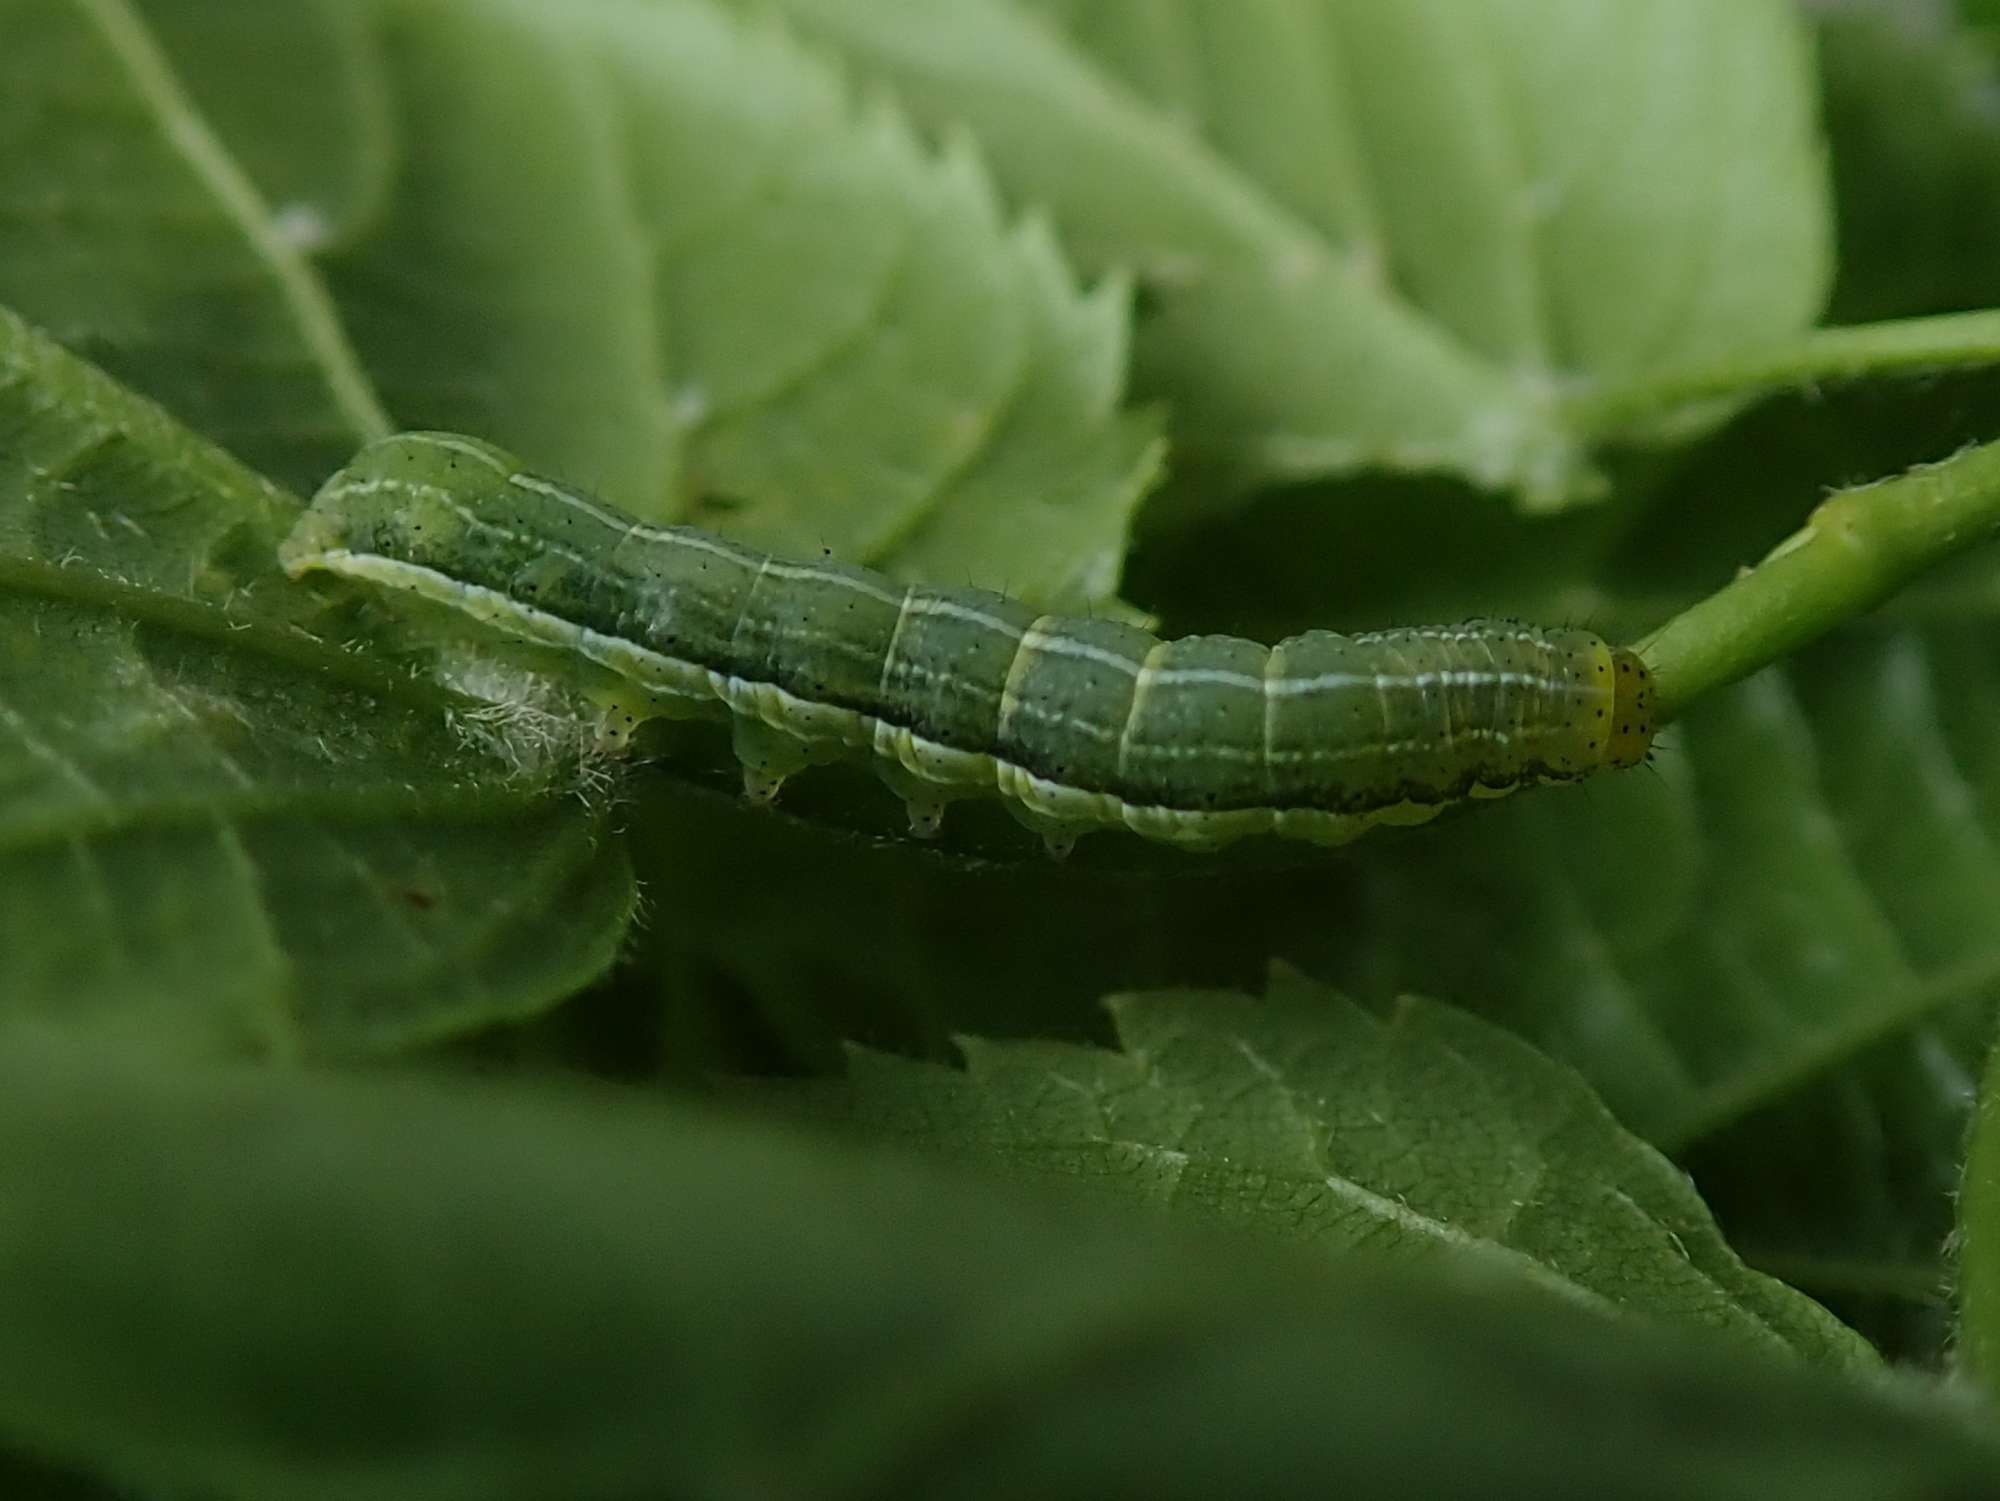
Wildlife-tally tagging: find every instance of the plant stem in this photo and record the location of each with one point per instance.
(1857, 548)
(1894, 347)
(1979, 1237)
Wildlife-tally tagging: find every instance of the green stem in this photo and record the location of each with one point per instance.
(1855, 550)
(1896, 347)
(1979, 1238)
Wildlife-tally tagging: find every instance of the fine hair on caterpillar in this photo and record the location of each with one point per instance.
(1075, 723)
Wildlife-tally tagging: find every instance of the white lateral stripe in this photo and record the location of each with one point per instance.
(1089, 729)
(576, 502)
(626, 526)
(1387, 681)
(469, 450)
(1049, 644)
(1214, 677)
(807, 573)
(696, 541)
(938, 604)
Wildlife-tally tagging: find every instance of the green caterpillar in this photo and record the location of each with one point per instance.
(1077, 724)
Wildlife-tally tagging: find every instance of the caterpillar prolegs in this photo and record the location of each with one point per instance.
(1077, 724)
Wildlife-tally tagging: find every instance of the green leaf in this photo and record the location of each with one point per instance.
(295, 93)
(1776, 949)
(792, 323)
(503, 286)
(128, 233)
(1567, 187)
(1771, 951)
(215, 828)
(255, 1284)
(1916, 161)
(1391, 234)
(1302, 1116)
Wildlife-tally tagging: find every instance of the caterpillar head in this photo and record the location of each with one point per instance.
(1632, 722)
(410, 498)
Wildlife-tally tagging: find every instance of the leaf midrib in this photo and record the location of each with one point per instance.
(213, 623)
